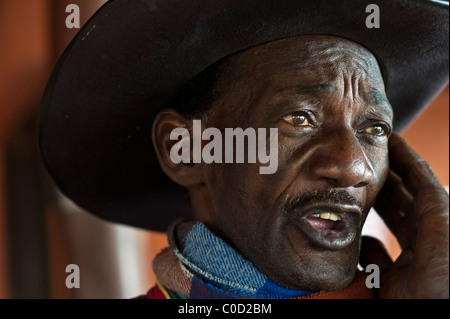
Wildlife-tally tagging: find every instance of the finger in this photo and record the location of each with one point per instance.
(396, 193)
(395, 221)
(388, 212)
(374, 252)
(410, 167)
(418, 178)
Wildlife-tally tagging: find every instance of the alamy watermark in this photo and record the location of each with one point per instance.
(221, 149)
(373, 279)
(73, 18)
(73, 279)
(373, 19)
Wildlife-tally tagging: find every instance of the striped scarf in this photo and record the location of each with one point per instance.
(200, 265)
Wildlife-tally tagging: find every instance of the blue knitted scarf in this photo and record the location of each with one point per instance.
(220, 271)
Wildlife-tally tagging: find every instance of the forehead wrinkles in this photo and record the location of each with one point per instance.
(304, 52)
(319, 58)
(343, 63)
(331, 55)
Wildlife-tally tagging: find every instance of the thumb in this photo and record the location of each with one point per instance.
(374, 252)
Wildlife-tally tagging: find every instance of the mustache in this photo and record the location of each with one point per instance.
(329, 196)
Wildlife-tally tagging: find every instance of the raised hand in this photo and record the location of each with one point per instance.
(415, 207)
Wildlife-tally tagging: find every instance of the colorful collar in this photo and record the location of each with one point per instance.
(207, 267)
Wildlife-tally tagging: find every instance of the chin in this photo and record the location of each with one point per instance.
(313, 269)
(335, 282)
(324, 280)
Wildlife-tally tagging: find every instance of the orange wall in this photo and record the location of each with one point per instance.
(429, 136)
(24, 66)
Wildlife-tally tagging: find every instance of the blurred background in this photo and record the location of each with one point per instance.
(41, 231)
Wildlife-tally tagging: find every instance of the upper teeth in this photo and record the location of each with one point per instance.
(331, 216)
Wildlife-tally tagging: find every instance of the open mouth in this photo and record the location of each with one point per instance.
(329, 226)
(329, 220)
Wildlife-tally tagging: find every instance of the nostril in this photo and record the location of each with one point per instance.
(345, 178)
(331, 181)
(361, 184)
(336, 183)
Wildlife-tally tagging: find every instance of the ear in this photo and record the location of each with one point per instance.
(183, 172)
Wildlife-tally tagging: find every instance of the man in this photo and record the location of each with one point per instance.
(294, 232)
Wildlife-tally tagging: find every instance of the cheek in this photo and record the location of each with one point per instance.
(380, 163)
(242, 202)
(232, 190)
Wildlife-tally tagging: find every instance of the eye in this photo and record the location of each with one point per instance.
(297, 119)
(377, 130)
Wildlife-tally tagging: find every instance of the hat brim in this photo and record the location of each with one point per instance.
(132, 56)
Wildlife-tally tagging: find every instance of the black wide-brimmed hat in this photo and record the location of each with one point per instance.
(132, 56)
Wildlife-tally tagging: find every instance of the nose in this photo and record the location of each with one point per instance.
(340, 160)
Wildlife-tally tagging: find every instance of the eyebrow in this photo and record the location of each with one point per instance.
(379, 99)
(375, 96)
(320, 88)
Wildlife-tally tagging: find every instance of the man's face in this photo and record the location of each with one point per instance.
(301, 226)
